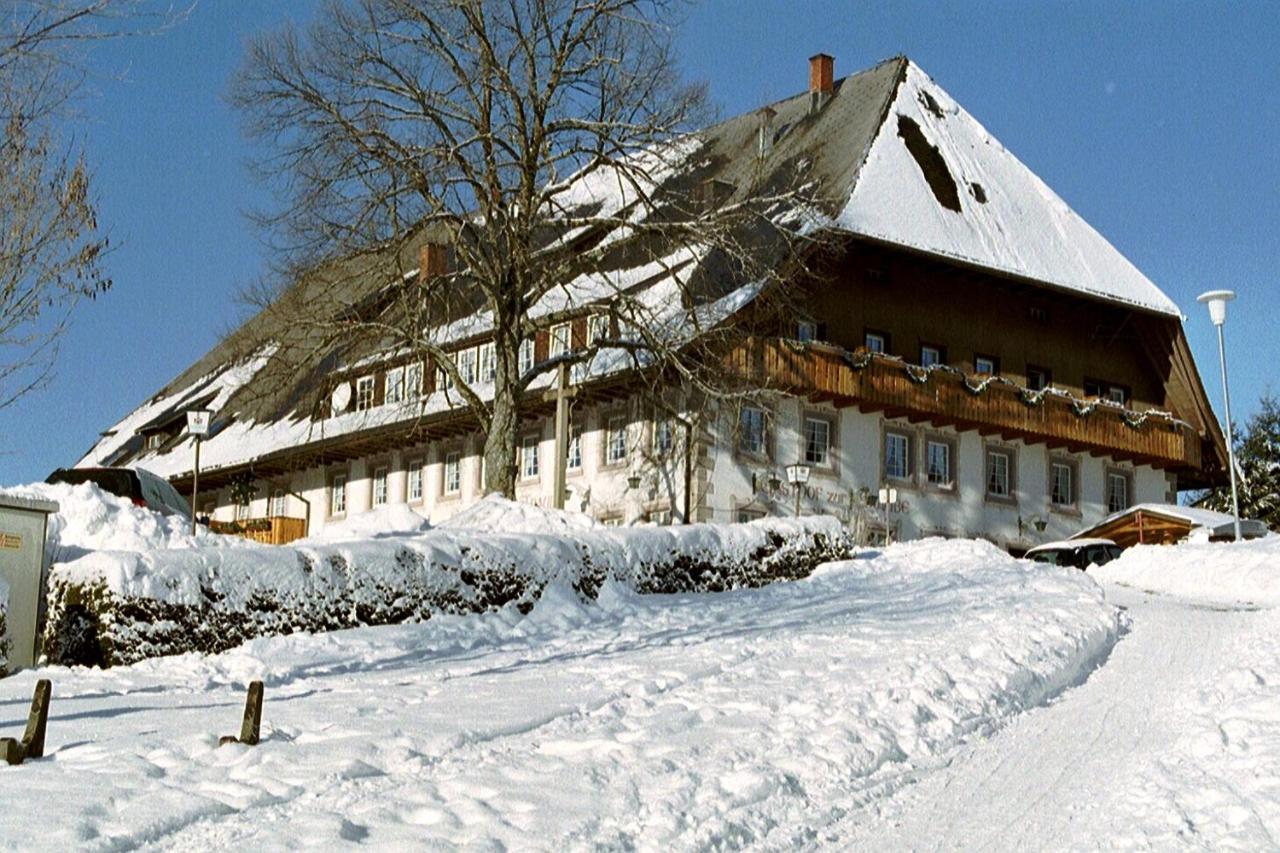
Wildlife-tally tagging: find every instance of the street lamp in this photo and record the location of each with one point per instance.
(198, 426)
(797, 475)
(1217, 301)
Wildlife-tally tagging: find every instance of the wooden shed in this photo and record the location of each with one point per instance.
(1164, 524)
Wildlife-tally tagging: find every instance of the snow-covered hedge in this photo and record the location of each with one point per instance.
(113, 607)
(1226, 573)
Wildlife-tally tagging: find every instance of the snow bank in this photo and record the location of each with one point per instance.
(89, 519)
(496, 513)
(1226, 573)
(112, 607)
(755, 719)
(393, 519)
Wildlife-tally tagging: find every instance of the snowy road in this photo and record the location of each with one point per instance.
(1125, 761)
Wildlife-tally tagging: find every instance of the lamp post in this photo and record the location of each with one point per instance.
(1217, 301)
(198, 426)
(797, 476)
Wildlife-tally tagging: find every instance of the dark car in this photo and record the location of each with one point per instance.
(142, 487)
(1077, 553)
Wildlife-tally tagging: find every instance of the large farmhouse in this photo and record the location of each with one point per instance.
(968, 341)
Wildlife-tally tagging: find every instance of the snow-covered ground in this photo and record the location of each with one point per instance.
(755, 718)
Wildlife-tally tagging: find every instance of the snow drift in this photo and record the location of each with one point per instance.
(1226, 573)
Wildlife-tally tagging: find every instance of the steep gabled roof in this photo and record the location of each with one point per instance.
(935, 180)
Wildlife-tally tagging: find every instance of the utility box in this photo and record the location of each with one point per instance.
(23, 522)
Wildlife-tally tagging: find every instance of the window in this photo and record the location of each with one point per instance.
(488, 363)
(999, 474)
(393, 388)
(663, 435)
(751, 426)
(364, 393)
(415, 480)
(876, 342)
(897, 455)
(526, 355)
(616, 441)
(745, 515)
(338, 495)
(611, 520)
(1062, 484)
(938, 463)
(1103, 390)
(1117, 491)
(242, 512)
(806, 331)
(597, 328)
(452, 473)
(380, 485)
(413, 381)
(529, 457)
(986, 365)
(277, 503)
(817, 441)
(154, 440)
(443, 379)
(574, 461)
(658, 516)
(561, 337)
(1038, 378)
(931, 355)
(467, 365)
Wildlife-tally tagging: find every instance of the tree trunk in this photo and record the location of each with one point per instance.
(500, 443)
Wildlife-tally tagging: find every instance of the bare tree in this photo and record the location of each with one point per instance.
(550, 145)
(51, 245)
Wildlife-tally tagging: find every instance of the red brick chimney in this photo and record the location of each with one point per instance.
(821, 80)
(433, 261)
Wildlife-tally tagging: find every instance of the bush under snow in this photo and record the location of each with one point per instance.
(113, 607)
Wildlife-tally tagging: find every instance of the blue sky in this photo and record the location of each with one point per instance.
(1156, 121)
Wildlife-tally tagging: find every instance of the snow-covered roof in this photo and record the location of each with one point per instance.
(1007, 219)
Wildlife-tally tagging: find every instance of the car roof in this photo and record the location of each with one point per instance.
(1070, 545)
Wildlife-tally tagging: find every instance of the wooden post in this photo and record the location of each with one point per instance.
(32, 743)
(561, 394)
(250, 726)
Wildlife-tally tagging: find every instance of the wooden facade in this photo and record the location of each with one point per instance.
(825, 373)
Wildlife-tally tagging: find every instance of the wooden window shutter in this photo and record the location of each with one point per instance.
(428, 376)
(379, 387)
(541, 345)
(578, 333)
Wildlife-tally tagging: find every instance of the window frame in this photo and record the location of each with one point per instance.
(806, 331)
(993, 359)
(379, 481)
(940, 350)
(908, 453)
(338, 489)
(738, 432)
(414, 473)
(555, 346)
(951, 445)
(609, 432)
(1043, 371)
(658, 423)
(1010, 455)
(527, 348)
(445, 489)
(1073, 471)
(1124, 475)
(364, 401)
(530, 449)
(487, 362)
(807, 417)
(575, 443)
(276, 503)
(393, 385)
(868, 334)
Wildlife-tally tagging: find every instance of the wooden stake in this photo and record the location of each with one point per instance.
(32, 743)
(251, 726)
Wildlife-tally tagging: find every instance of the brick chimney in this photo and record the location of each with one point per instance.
(433, 260)
(821, 80)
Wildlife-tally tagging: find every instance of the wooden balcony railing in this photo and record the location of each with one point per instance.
(276, 530)
(945, 397)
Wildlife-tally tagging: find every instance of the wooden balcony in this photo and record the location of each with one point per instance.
(876, 383)
(276, 530)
